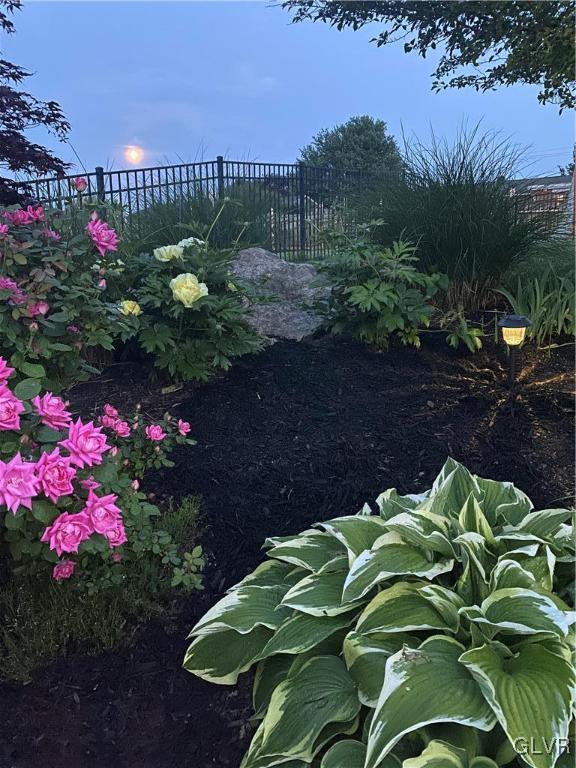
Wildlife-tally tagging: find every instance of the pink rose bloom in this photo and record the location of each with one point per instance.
(122, 429)
(85, 443)
(155, 433)
(5, 370)
(38, 308)
(116, 557)
(109, 410)
(183, 427)
(135, 485)
(108, 421)
(103, 236)
(26, 216)
(102, 511)
(18, 298)
(102, 284)
(55, 475)
(90, 484)
(51, 234)
(73, 329)
(117, 535)
(79, 183)
(4, 229)
(114, 451)
(18, 483)
(52, 411)
(67, 532)
(7, 284)
(63, 570)
(10, 409)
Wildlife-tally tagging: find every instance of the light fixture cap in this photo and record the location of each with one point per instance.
(514, 321)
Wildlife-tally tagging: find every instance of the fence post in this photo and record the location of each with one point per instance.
(100, 192)
(302, 205)
(220, 174)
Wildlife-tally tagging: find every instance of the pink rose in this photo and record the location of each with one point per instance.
(73, 329)
(122, 429)
(80, 183)
(38, 308)
(55, 475)
(5, 370)
(51, 234)
(52, 411)
(155, 433)
(108, 421)
(90, 483)
(109, 410)
(67, 532)
(25, 216)
(10, 409)
(63, 570)
(117, 535)
(18, 483)
(116, 557)
(102, 511)
(183, 427)
(102, 284)
(4, 229)
(114, 451)
(103, 236)
(85, 443)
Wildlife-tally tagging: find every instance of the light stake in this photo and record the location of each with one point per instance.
(513, 333)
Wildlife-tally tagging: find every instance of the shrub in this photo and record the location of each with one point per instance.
(434, 631)
(52, 301)
(377, 292)
(185, 311)
(69, 504)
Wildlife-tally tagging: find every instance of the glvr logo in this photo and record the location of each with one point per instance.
(541, 746)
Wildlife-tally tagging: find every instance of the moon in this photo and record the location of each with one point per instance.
(133, 154)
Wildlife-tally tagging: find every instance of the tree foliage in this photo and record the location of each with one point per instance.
(483, 44)
(360, 144)
(20, 111)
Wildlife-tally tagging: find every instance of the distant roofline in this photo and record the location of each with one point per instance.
(544, 181)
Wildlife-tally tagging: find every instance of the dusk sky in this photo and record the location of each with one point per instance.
(190, 80)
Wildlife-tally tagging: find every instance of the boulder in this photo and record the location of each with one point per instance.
(286, 292)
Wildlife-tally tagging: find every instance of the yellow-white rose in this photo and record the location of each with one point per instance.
(187, 289)
(128, 307)
(168, 252)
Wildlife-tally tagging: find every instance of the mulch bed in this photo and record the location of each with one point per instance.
(302, 432)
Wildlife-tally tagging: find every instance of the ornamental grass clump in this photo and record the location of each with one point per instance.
(435, 632)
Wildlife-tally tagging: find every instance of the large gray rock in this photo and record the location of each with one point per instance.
(287, 290)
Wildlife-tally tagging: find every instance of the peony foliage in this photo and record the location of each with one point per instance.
(435, 633)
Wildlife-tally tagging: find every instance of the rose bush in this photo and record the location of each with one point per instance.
(53, 305)
(71, 506)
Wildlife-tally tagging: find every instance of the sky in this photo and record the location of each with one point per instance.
(191, 80)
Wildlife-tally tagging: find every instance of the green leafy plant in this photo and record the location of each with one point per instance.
(460, 331)
(548, 301)
(434, 632)
(377, 292)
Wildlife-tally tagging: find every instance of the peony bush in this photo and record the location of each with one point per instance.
(436, 633)
(53, 306)
(70, 498)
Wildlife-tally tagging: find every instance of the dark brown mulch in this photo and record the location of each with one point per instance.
(301, 432)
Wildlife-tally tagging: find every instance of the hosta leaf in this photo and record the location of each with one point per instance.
(253, 760)
(451, 489)
(544, 523)
(222, 656)
(345, 754)
(439, 754)
(243, 609)
(503, 502)
(310, 550)
(302, 632)
(509, 574)
(302, 706)
(390, 503)
(389, 557)
(319, 594)
(423, 686)
(365, 657)
(271, 573)
(472, 520)
(423, 529)
(269, 673)
(356, 532)
(531, 694)
(410, 606)
(472, 585)
(523, 612)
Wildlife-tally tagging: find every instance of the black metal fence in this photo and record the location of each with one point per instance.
(285, 206)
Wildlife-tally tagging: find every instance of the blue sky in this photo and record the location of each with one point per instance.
(190, 80)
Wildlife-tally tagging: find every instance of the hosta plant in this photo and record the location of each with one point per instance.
(432, 633)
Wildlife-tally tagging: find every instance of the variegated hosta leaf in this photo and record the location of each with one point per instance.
(472, 519)
(423, 529)
(389, 557)
(365, 657)
(302, 631)
(245, 608)
(451, 489)
(439, 754)
(510, 573)
(345, 754)
(222, 656)
(545, 523)
(530, 692)
(390, 503)
(411, 606)
(271, 573)
(321, 695)
(422, 686)
(355, 532)
(502, 502)
(483, 762)
(269, 673)
(521, 612)
(320, 594)
(252, 760)
(472, 585)
(310, 550)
